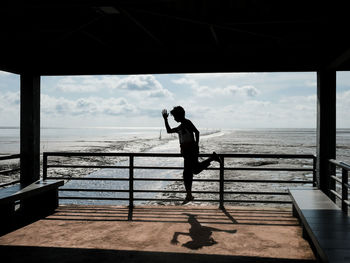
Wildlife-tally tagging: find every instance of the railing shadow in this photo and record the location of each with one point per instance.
(176, 214)
(195, 230)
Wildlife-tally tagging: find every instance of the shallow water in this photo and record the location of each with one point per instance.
(272, 141)
(237, 141)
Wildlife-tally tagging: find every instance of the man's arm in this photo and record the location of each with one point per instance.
(167, 126)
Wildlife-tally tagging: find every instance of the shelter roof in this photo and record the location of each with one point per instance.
(63, 37)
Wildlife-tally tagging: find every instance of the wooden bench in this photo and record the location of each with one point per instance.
(325, 225)
(37, 199)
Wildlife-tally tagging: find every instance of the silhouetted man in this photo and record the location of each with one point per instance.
(189, 145)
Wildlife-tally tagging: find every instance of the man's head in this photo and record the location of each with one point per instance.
(179, 113)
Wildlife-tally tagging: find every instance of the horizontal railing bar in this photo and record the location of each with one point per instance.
(266, 181)
(340, 197)
(174, 200)
(127, 179)
(93, 198)
(180, 179)
(340, 164)
(171, 191)
(336, 179)
(267, 169)
(92, 190)
(233, 155)
(88, 178)
(336, 194)
(166, 168)
(181, 168)
(86, 166)
(120, 167)
(127, 199)
(8, 157)
(340, 181)
(135, 191)
(256, 193)
(258, 201)
(9, 171)
(214, 200)
(11, 183)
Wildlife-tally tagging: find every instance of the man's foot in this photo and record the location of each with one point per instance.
(188, 199)
(217, 158)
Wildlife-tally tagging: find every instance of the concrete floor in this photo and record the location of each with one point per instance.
(159, 234)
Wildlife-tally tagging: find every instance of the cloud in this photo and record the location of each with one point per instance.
(249, 91)
(267, 82)
(185, 81)
(91, 106)
(81, 84)
(10, 98)
(298, 111)
(343, 109)
(9, 108)
(208, 91)
(9, 104)
(139, 83)
(210, 76)
(143, 85)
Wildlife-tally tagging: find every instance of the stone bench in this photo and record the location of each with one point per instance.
(325, 225)
(37, 199)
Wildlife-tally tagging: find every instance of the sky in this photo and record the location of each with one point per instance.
(217, 100)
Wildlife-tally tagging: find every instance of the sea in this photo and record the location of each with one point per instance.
(156, 140)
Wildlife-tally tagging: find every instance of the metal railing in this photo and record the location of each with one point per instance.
(222, 181)
(343, 181)
(9, 171)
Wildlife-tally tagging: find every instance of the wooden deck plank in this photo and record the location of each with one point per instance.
(107, 228)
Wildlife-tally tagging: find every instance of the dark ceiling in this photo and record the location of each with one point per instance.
(167, 36)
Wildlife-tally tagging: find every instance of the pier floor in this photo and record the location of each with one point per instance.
(159, 234)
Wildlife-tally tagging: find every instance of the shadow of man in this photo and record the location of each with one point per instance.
(200, 235)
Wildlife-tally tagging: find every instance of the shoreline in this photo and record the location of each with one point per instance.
(135, 144)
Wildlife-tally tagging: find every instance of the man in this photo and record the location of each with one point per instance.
(189, 145)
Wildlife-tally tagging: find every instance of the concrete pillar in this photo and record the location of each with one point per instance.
(326, 126)
(30, 128)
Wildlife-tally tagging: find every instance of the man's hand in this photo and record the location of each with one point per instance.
(165, 114)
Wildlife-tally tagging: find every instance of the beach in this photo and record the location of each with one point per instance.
(260, 141)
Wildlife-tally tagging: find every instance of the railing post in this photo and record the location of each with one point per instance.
(44, 166)
(344, 187)
(314, 178)
(222, 180)
(131, 186)
(332, 183)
